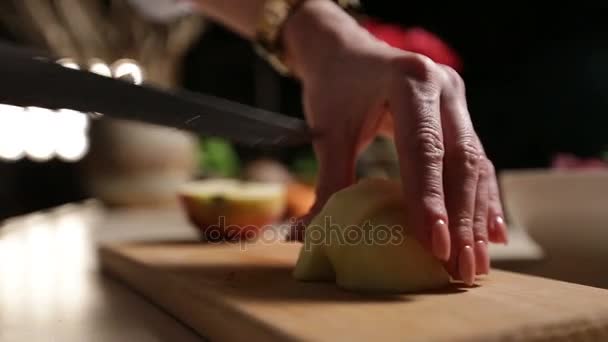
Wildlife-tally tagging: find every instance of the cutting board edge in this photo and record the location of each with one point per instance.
(205, 320)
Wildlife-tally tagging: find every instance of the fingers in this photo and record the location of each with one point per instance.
(497, 229)
(480, 221)
(336, 156)
(444, 169)
(461, 194)
(419, 140)
(462, 176)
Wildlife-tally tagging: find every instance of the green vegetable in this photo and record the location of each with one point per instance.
(218, 158)
(305, 168)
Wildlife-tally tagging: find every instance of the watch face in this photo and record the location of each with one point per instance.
(163, 10)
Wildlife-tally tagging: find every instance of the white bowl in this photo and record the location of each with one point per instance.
(565, 211)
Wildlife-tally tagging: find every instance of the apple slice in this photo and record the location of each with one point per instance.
(228, 209)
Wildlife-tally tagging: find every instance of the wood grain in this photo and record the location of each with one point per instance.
(233, 292)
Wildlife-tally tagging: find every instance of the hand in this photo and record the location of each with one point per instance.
(356, 87)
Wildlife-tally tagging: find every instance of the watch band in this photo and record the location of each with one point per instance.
(270, 26)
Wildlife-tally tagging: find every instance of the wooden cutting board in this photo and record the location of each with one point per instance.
(236, 292)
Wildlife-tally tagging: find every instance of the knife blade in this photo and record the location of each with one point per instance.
(30, 79)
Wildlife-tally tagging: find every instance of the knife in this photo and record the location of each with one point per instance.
(30, 79)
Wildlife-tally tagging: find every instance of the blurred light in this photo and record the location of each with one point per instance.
(41, 134)
(128, 69)
(39, 131)
(71, 140)
(11, 140)
(71, 120)
(72, 147)
(99, 67)
(68, 63)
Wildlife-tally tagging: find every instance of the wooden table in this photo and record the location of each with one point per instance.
(50, 287)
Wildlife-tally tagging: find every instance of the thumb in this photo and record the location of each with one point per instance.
(336, 157)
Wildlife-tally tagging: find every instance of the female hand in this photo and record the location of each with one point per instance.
(356, 87)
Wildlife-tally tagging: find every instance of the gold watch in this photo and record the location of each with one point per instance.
(273, 16)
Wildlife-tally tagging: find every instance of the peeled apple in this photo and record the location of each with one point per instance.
(360, 241)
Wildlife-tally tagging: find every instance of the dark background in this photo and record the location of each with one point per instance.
(536, 85)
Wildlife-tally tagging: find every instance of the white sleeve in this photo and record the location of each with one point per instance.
(163, 10)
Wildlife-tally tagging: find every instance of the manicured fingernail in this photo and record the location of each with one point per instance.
(482, 258)
(501, 229)
(440, 240)
(466, 265)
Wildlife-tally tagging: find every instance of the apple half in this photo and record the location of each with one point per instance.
(361, 242)
(232, 210)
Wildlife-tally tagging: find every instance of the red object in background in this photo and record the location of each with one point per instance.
(416, 40)
(565, 161)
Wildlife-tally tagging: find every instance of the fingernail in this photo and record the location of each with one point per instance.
(440, 240)
(466, 265)
(482, 257)
(501, 228)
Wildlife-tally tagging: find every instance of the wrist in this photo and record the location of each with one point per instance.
(314, 34)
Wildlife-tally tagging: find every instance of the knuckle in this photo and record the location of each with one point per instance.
(430, 146)
(484, 168)
(468, 155)
(480, 220)
(419, 76)
(453, 77)
(465, 222)
(422, 67)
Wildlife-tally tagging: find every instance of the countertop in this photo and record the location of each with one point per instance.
(51, 290)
